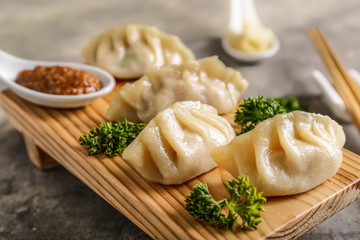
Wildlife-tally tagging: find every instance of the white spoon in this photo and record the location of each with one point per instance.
(240, 11)
(331, 97)
(10, 66)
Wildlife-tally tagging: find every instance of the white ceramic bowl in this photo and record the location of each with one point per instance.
(250, 57)
(10, 66)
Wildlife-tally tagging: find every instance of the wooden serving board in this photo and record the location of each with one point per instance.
(157, 209)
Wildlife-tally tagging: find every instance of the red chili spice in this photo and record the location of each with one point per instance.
(59, 80)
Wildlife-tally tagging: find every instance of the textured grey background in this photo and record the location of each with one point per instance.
(54, 204)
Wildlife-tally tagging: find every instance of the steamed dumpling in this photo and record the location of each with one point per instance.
(207, 80)
(128, 51)
(175, 146)
(287, 154)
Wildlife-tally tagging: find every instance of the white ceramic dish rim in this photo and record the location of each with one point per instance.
(63, 101)
(250, 57)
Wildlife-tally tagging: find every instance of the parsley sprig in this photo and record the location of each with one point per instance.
(111, 138)
(291, 104)
(244, 202)
(255, 110)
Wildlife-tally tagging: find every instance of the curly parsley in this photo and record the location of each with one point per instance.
(255, 110)
(111, 138)
(244, 202)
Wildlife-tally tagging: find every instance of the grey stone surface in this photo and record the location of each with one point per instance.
(54, 204)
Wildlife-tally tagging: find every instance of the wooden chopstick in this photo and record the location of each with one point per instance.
(344, 84)
(349, 80)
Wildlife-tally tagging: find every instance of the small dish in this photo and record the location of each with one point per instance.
(11, 66)
(250, 57)
(242, 11)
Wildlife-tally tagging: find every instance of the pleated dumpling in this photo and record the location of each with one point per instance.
(175, 146)
(207, 80)
(287, 154)
(128, 51)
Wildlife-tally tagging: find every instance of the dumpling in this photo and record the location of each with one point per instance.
(207, 80)
(287, 154)
(128, 51)
(175, 146)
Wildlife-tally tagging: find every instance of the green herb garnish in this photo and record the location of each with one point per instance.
(255, 110)
(244, 202)
(291, 104)
(111, 138)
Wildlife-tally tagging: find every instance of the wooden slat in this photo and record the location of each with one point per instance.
(158, 209)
